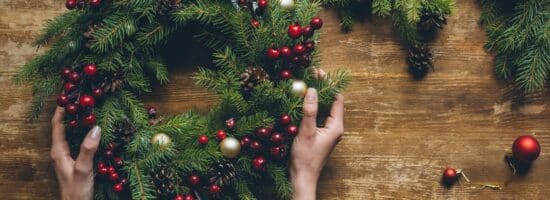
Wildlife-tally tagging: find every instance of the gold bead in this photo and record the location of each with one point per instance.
(161, 139)
(230, 147)
(298, 88)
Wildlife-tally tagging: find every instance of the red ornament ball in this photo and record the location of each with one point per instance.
(203, 139)
(230, 123)
(245, 141)
(299, 49)
(74, 78)
(123, 181)
(118, 187)
(263, 132)
(62, 100)
(68, 86)
(285, 74)
(214, 189)
(259, 162)
(307, 31)
(73, 124)
(273, 53)
(256, 146)
(89, 120)
(277, 138)
(118, 161)
(100, 165)
(316, 22)
(285, 51)
(262, 3)
(70, 4)
(189, 197)
(90, 69)
(102, 170)
(294, 31)
(113, 176)
(285, 119)
(450, 175)
(66, 72)
(194, 180)
(221, 134)
(278, 152)
(292, 130)
(71, 109)
(97, 92)
(179, 197)
(526, 148)
(87, 101)
(108, 153)
(255, 23)
(310, 45)
(152, 111)
(111, 169)
(95, 3)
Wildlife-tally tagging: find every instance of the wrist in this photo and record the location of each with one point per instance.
(304, 184)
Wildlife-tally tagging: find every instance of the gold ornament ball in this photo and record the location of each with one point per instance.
(299, 88)
(230, 147)
(161, 139)
(287, 4)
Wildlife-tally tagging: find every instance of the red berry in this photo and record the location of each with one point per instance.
(101, 165)
(263, 132)
(194, 180)
(111, 169)
(71, 109)
(262, 3)
(285, 74)
(111, 146)
(285, 51)
(310, 45)
(123, 181)
(277, 138)
(69, 87)
(299, 49)
(89, 120)
(221, 134)
(113, 176)
(97, 92)
(316, 22)
(70, 4)
(87, 101)
(245, 141)
(285, 119)
(230, 123)
(62, 100)
(273, 53)
(256, 146)
(203, 139)
(95, 3)
(108, 153)
(258, 163)
(66, 72)
(189, 197)
(152, 111)
(292, 130)
(307, 31)
(449, 175)
(179, 197)
(214, 189)
(73, 124)
(90, 69)
(294, 31)
(255, 23)
(74, 78)
(103, 171)
(275, 152)
(118, 161)
(118, 187)
(526, 148)
(296, 59)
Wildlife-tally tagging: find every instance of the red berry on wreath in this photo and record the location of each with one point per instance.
(69, 87)
(277, 138)
(66, 72)
(292, 130)
(103, 170)
(258, 163)
(450, 175)
(255, 23)
(278, 152)
(118, 161)
(285, 51)
(108, 153)
(262, 4)
(230, 123)
(123, 181)
(310, 45)
(95, 3)
(245, 141)
(74, 78)
(221, 134)
(113, 176)
(71, 109)
(263, 132)
(214, 189)
(526, 148)
(256, 146)
(194, 180)
(285, 74)
(203, 139)
(285, 119)
(273, 53)
(294, 31)
(90, 69)
(118, 187)
(152, 112)
(100, 165)
(89, 120)
(97, 92)
(111, 169)
(316, 22)
(296, 59)
(87, 101)
(62, 100)
(299, 49)
(179, 197)
(307, 31)
(189, 197)
(73, 124)
(70, 4)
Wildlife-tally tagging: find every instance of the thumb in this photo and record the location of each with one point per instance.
(85, 159)
(309, 120)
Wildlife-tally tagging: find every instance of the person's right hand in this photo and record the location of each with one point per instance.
(75, 177)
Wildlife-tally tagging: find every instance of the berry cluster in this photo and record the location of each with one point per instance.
(298, 55)
(79, 104)
(194, 181)
(108, 168)
(257, 8)
(72, 4)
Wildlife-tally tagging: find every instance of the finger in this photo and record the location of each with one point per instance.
(336, 119)
(308, 124)
(84, 161)
(60, 153)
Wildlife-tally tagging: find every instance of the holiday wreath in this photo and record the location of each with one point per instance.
(108, 54)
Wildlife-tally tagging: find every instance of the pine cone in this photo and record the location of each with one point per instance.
(164, 180)
(125, 130)
(113, 82)
(222, 172)
(165, 7)
(252, 77)
(429, 22)
(88, 35)
(420, 60)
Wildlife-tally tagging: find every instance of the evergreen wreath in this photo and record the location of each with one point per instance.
(108, 55)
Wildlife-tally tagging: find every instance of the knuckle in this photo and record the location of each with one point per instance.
(53, 156)
(82, 170)
(310, 112)
(88, 148)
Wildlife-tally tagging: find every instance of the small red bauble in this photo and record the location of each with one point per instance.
(213, 189)
(95, 3)
(263, 132)
(285, 119)
(526, 148)
(203, 139)
(278, 152)
(310, 45)
(71, 109)
(108, 153)
(97, 92)
(285, 74)
(296, 59)
(262, 3)
(277, 138)
(118, 161)
(123, 181)
(69, 87)
(87, 101)
(307, 31)
(118, 187)
(273, 53)
(66, 72)
(285, 51)
(62, 100)
(179, 197)
(74, 78)
(189, 197)
(255, 23)
(450, 175)
(90, 69)
(256, 146)
(221, 134)
(245, 141)
(113, 176)
(258, 163)
(152, 111)
(194, 180)
(100, 165)
(294, 31)
(316, 22)
(292, 130)
(73, 124)
(111, 169)
(70, 4)
(230, 123)
(89, 120)
(299, 49)
(103, 170)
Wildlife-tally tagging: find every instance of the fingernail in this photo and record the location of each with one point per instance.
(95, 132)
(311, 94)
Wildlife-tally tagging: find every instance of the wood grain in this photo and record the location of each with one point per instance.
(400, 132)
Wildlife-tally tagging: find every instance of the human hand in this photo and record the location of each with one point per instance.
(313, 145)
(75, 177)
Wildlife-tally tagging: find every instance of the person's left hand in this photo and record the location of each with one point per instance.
(75, 177)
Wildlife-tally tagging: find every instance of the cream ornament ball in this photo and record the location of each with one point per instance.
(298, 88)
(230, 147)
(287, 4)
(161, 139)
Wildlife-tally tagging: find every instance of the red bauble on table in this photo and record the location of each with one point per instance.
(68, 87)
(89, 120)
(74, 78)
(262, 4)
(285, 51)
(118, 161)
(294, 31)
(526, 148)
(221, 134)
(62, 100)
(97, 92)
(277, 138)
(299, 49)
(95, 3)
(118, 187)
(71, 109)
(245, 141)
(255, 23)
(230, 123)
(259, 162)
(203, 139)
(87, 101)
(316, 22)
(194, 180)
(285, 74)
(72, 124)
(113, 176)
(273, 53)
(214, 189)
(292, 130)
(256, 146)
(450, 175)
(263, 132)
(70, 4)
(285, 119)
(307, 31)
(90, 69)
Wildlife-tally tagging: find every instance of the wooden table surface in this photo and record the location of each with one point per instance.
(400, 133)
